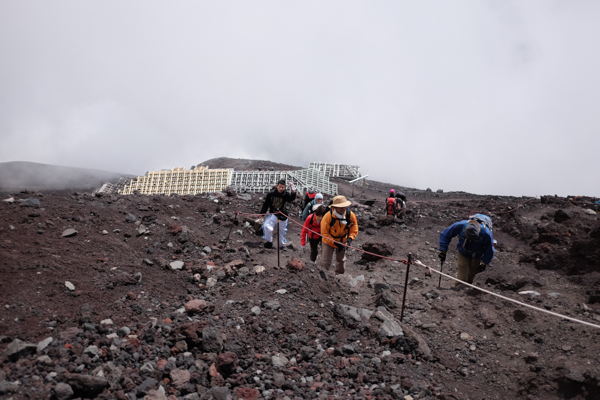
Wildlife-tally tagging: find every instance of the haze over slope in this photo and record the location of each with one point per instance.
(23, 175)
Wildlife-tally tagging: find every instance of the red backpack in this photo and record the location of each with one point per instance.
(390, 206)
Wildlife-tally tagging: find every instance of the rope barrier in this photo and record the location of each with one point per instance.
(419, 263)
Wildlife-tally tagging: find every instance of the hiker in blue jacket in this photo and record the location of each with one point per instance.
(475, 247)
(309, 206)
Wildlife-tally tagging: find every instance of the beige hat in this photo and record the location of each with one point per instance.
(340, 201)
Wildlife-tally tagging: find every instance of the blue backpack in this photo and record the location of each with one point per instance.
(481, 219)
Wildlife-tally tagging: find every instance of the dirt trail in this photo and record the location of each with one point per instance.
(249, 338)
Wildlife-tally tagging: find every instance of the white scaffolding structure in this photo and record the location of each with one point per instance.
(263, 181)
(256, 181)
(336, 170)
(313, 180)
(203, 180)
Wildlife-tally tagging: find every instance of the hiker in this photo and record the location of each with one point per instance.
(308, 197)
(312, 229)
(390, 203)
(475, 246)
(400, 205)
(339, 225)
(309, 207)
(274, 202)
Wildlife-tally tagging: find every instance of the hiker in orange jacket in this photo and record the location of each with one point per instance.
(338, 226)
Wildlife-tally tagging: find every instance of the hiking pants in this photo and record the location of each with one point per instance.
(467, 268)
(269, 226)
(327, 257)
(314, 248)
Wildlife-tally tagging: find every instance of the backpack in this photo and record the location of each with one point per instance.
(308, 197)
(479, 219)
(483, 219)
(390, 206)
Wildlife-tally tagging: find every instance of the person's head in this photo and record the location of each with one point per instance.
(339, 204)
(472, 230)
(319, 211)
(392, 192)
(281, 185)
(318, 198)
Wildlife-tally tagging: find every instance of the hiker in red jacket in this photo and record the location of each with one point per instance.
(313, 223)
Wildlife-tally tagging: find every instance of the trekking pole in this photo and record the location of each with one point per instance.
(277, 242)
(441, 268)
(405, 285)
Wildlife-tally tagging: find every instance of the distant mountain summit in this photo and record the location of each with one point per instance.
(23, 175)
(241, 164)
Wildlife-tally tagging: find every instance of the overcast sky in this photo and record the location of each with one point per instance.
(489, 97)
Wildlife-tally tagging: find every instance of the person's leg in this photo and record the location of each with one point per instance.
(463, 269)
(282, 232)
(314, 249)
(340, 260)
(268, 226)
(326, 256)
(473, 266)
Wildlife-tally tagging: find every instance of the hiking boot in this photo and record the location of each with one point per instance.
(268, 245)
(323, 274)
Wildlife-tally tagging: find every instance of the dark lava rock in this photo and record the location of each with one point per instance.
(381, 249)
(561, 216)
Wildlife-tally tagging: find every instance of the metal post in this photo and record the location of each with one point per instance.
(405, 285)
(277, 242)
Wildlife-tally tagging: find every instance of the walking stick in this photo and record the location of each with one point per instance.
(405, 285)
(277, 242)
(441, 268)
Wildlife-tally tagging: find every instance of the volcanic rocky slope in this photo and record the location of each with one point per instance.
(175, 297)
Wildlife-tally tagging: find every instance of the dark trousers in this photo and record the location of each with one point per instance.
(314, 248)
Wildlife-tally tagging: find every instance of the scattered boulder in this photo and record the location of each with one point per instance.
(197, 306)
(561, 216)
(381, 249)
(18, 349)
(63, 391)
(212, 340)
(69, 232)
(86, 385)
(176, 265)
(31, 202)
(295, 265)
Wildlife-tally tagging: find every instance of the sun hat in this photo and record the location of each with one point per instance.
(340, 201)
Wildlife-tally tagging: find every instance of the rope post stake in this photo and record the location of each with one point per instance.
(405, 285)
(441, 268)
(278, 243)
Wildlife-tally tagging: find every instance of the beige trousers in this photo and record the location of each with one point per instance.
(327, 257)
(467, 268)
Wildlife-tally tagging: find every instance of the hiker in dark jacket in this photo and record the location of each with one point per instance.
(308, 209)
(400, 205)
(475, 247)
(274, 202)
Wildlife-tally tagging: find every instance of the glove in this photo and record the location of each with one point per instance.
(293, 187)
(481, 268)
(303, 248)
(349, 242)
(442, 255)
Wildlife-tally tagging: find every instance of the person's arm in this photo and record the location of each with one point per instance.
(266, 204)
(304, 232)
(448, 233)
(488, 255)
(354, 228)
(306, 211)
